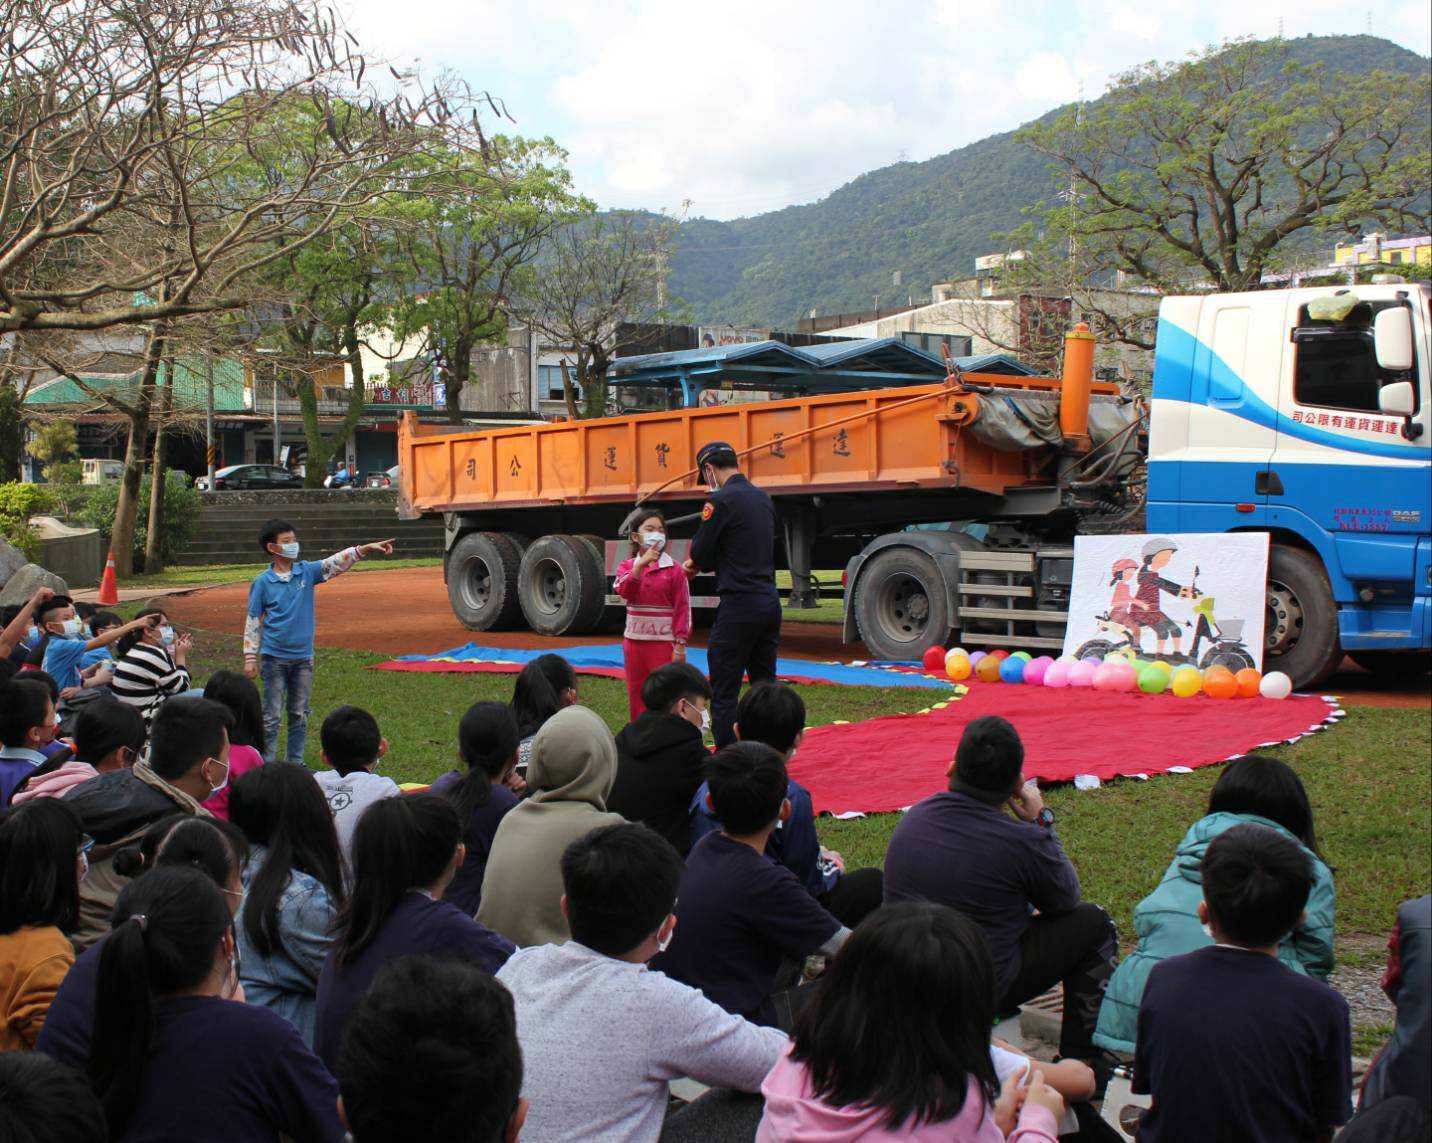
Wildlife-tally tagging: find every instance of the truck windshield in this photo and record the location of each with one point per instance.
(1337, 362)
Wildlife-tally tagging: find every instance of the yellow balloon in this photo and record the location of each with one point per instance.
(1186, 682)
(1163, 666)
(958, 667)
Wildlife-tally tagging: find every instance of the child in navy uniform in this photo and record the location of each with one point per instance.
(1233, 1044)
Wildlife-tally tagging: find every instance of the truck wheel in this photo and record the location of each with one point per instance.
(613, 618)
(1301, 630)
(560, 586)
(1234, 658)
(482, 581)
(1394, 665)
(900, 604)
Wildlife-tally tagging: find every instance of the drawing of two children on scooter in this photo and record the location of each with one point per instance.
(1136, 603)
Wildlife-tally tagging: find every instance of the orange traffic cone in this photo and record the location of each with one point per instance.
(108, 586)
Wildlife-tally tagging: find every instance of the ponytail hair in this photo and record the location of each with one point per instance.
(487, 741)
(214, 847)
(537, 694)
(401, 844)
(168, 925)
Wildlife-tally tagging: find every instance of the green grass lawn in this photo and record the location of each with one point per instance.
(1367, 778)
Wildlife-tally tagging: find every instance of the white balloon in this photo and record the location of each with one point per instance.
(1275, 685)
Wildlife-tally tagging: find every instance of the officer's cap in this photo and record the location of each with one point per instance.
(719, 453)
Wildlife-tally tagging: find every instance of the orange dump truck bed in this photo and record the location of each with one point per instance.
(884, 440)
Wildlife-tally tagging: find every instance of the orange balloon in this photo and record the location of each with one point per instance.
(988, 669)
(1249, 680)
(1220, 685)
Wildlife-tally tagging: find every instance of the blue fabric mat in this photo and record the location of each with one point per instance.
(610, 655)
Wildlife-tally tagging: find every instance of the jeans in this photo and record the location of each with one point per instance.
(1078, 948)
(287, 682)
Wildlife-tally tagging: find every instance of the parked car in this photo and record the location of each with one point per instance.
(250, 476)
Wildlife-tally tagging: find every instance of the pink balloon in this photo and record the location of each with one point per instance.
(1106, 677)
(1057, 675)
(1081, 674)
(1127, 678)
(1035, 670)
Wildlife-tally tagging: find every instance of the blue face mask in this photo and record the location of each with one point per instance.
(289, 550)
(166, 635)
(32, 636)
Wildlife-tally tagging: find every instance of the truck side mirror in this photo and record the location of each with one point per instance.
(1392, 340)
(1397, 399)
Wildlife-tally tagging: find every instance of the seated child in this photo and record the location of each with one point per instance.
(660, 754)
(66, 643)
(431, 1053)
(895, 1044)
(352, 747)
(774, 713)
(487, 744)
(1233, 1044)
(544, 686)
(594, 998)
(1263, 791)
(739, 914)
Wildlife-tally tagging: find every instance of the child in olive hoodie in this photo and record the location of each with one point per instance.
(570, 775)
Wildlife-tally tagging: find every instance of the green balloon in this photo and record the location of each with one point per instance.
(1152, 680)
(1021, 655)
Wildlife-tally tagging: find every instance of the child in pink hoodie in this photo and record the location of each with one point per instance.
(895, 1045)
(658, 604)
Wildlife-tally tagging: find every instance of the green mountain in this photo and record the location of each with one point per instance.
(928, 220)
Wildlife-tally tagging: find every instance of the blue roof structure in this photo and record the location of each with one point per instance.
(830, 367)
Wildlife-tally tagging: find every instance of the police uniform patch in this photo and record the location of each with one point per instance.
(708, 510)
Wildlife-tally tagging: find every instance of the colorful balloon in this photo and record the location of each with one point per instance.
(934, 658)
(1186, 682)
(1058, 674)
(1153, 681)
(1220, 684)
(976, 656)
(1025, 655)
(1012, 670)
(958, 667)
(1248, 679)
(1081, 674)
(1000, 654)
(1035, 670)
(1106, 677)
(1126, 679)
(1163, 665)
(1275, 685)
(987, 669)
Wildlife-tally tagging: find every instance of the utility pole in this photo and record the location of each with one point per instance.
(277, 432)
(209, 448)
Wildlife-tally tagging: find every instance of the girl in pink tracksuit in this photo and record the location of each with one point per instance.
(895, 1045)
(658, 606)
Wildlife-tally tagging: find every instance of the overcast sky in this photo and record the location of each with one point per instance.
(746, 106)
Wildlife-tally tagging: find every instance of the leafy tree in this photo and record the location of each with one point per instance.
(469, 230)
(54, 444)
(595, 273)
(1206, 173)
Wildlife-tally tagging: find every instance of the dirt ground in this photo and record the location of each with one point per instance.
(406, 612)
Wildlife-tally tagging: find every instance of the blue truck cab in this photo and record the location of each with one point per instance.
(1307, 414)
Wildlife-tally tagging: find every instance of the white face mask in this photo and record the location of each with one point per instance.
(166, 635)
(74, 628)
(215, 789)
(289, 550)
(706, 722)
(654, 540)
(1208, 932)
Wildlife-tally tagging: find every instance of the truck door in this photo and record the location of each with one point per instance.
(1231, 429)
(1344, 474)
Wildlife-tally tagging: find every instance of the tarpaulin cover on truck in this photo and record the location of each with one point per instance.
(1015, 421)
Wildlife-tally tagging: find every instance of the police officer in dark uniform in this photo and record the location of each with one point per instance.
(737, 541)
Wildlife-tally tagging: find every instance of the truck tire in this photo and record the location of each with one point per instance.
(1301, 630)
(613, 618)
(560, 586)
(901, 607)
(482, 581)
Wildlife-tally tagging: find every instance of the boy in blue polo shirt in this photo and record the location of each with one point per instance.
(278, 634)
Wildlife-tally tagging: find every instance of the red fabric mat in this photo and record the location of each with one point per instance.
(891, 763)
